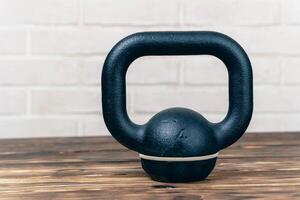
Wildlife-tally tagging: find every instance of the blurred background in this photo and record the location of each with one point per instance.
(52, 51)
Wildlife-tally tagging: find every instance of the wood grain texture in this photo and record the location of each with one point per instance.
(259, 166)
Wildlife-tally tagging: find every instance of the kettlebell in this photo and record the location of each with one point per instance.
(177, 144)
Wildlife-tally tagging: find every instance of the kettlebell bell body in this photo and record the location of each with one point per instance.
(177, 144)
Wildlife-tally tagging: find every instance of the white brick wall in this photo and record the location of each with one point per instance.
(39, 12)
(134, 12)
(65, 101)
(13, 102)
(12, 42)
(52, 52)
(232, 12)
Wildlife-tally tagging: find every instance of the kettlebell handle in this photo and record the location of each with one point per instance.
(176, 43)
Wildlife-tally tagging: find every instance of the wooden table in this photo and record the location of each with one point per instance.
(259, 166)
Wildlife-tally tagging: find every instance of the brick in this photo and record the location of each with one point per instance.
(90, 71)
(276, 99)
(232, 12)
(145, 70)
(269, 40)
(259, 40)
(265, 123)
(275, 122)
(154, 70)
(266, 70)
(12, 101)
(137, 12)
(39, 72)
(39, 12)
(66, 101)
(14, 11)
(140, 118)
(204, 70)
(204, 100)
(291, 70)
(291, 10)
(288, 42)
(75, 41)
(12, 42)
(290, 122)
(55, 12)
(36, 127)
(210, 70)
(94, 126)
(56, 42)
(214, 117)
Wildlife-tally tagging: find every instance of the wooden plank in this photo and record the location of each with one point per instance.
(259, 166)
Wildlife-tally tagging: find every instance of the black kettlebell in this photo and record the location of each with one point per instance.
(177, 144)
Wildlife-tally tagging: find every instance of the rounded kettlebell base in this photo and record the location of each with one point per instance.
(178, 171)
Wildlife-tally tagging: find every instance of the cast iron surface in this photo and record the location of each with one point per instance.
(177, 132)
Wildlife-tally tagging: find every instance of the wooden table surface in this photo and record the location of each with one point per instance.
(259, 166)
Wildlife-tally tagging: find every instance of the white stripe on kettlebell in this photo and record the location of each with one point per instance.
(177, 159)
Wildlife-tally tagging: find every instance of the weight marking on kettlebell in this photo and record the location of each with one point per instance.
(181, 134)
(179, 159)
